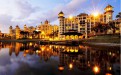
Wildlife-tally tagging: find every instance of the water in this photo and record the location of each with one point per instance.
(34, 59)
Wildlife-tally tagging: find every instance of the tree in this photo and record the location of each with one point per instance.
(24, 33)
(36, 33)
(111, 25)
(54, 34)
(100, 27)
(119, 15)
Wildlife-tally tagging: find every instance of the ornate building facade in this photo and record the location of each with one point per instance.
(41, 31)
(83, 22)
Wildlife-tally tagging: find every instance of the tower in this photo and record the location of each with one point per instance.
(61, 24)
(108, 15)
(25, 27)
(17, 31)
(11, 31)
(46, 22)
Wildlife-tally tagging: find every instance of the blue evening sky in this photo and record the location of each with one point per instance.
(33, 12)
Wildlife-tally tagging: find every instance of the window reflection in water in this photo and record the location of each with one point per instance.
(81, 57)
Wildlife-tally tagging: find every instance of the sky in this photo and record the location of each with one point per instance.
(33, 12)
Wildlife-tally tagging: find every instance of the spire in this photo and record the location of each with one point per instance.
(46, 22)
(41, 23)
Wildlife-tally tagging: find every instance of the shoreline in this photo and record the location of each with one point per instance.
(67, 42)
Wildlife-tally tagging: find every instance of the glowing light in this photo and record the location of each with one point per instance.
(109, 68)
(24, 54)
(71, 50)
(110, 53)
(27, 51)
(76, 50)
(38, 51)
(42, 48)
(30, 44)
(108, 74)
(70, 17)
(70, 65)
(61, 68)
(50, 39)
(95, 14)
(96, 69)
(30, 37)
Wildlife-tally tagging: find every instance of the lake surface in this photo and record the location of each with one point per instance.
(31, 58)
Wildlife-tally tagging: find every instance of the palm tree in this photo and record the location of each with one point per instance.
(118, 16)
(24, 33)
(111, 25)
(54, 34)
(36, 33)
(100, 28)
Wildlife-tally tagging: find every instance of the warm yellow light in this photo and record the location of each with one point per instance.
(50, 39)
(24, 54)
(30, 37)
(38, 51)
(109, 68)
(27, 51)
(43, 48)
(95, 14)
(96, 69)
(71, 50)
(110, 53)
(61, 68)
(30, 44)
(43, 33)
(108, 74)
(70, 17)
(76, 50)
(70, 65)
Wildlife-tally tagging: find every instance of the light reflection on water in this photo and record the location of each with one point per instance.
(33, 59)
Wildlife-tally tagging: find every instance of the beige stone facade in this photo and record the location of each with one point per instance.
(41, 31)
(83, 22)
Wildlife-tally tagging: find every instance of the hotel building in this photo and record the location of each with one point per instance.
(83, 22)
(41, 31)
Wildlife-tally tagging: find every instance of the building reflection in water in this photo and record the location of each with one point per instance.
(81, 57)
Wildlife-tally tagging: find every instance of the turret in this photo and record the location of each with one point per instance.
(17, 32)
(25, 27)
(10, 31)
(46, 22)
(61, 14)
(108, 13)
(61, 23)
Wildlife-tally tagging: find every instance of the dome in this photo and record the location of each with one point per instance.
(109, 5)
(10, 27)
(61, 12)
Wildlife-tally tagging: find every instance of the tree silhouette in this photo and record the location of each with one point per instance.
(36, 33)
(24, 33)
(119, 15)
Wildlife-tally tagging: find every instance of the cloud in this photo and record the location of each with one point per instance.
(14, 12)
(19, 12)
(70, 8)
